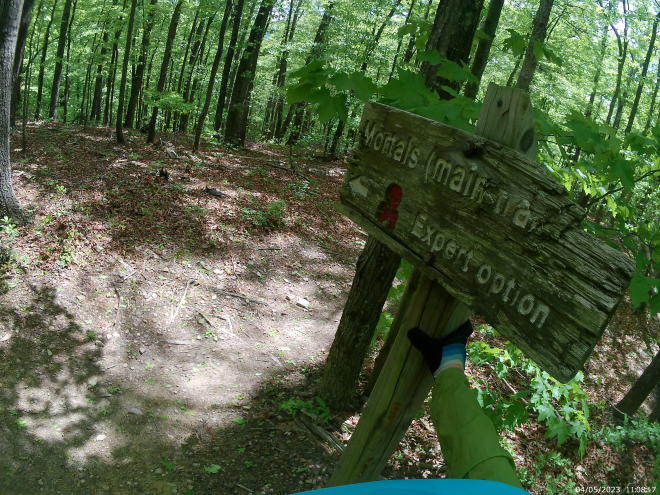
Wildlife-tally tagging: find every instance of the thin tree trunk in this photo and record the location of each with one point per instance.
(26, 15)
(410, 49)
(599, 70)
(647, 126)
(231, 51)
(98, 83)
(214, 71)
(298, 109)
(42, 64)
(400, 42)
(162, 78)
(623, 98)
(124, 74)
(195, 57)
(645, 68)
(138, 76)
(236, 128)
(489, 28)
(539, 30)
(622, 45)
(642, 387)
(339, 131)
(10, 15)
(57, 73)
(65, 101)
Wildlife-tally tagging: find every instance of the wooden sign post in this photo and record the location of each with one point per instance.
(488, 230)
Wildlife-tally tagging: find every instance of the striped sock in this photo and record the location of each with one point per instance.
(453, 356)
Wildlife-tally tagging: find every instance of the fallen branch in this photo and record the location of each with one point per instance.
(239, 296)
(229, 332)
(178, 306)
(328, 441)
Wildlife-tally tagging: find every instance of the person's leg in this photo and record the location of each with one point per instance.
(469, 442)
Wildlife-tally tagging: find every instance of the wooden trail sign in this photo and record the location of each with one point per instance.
(492, 227)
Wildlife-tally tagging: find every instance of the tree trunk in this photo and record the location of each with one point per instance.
(124, 74)
(57, 72)
(10, 15)
(452, 34)
(229, 57)
(236, 128)
(162, 78)
(637, 394)
(649, 117)
(42, 64)
(138, 77)
(214, 71)
(645, 68)
(489, 28)
(339, 132)
(599, 71)
(623, 98)
(26, 15)
(67, 70)
(195, 57)
(400, 42)
(539, 30)
(375, 270)
(410, 49)
(298, 109)
(112, 74)
(622, 45)
(95, 114)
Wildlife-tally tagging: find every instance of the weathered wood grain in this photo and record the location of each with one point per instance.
(490, 225)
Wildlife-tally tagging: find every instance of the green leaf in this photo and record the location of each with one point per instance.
(640, 288)
(516, 43)
(545, 411)
(537, 48)
(331, 106)
(623, 170)
(168, 465)
(433, 57)
(213, 468)
(452, 71)
(559, 429)
(299, 92)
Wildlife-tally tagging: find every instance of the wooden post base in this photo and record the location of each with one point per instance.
(402, 386)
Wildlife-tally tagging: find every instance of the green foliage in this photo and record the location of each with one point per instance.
(9, 228)
(637, 430)
(270, 215)
(317, 409)
(331, 91)
(562, 407)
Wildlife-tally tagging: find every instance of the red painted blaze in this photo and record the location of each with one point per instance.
(387, 210)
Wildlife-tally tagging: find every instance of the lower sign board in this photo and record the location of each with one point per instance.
(491, 226)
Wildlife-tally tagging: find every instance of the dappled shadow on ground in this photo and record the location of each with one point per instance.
(68, 425)
(110, 198)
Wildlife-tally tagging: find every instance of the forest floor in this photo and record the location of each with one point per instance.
(155, 331)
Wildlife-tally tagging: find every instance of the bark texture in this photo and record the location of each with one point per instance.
(374, 273)
(10, 14)
(451, 36)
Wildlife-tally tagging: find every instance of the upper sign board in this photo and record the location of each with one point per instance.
(491, 226)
